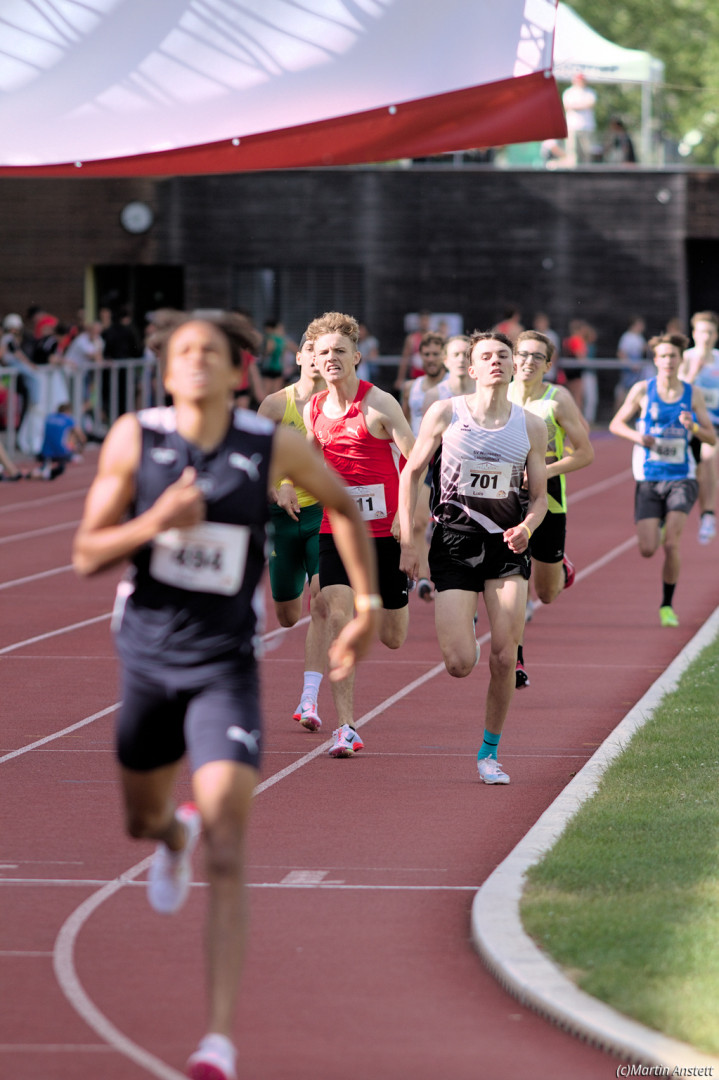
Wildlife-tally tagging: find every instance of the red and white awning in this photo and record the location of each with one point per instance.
(169, 87)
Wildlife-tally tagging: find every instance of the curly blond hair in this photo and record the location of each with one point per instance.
(334, 322)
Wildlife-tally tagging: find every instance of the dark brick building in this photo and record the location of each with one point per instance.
(598, 243)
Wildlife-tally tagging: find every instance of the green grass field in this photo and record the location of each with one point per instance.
(627, 902)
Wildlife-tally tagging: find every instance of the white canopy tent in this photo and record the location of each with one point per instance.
(577, 47)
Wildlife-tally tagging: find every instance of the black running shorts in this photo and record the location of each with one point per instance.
(547, 542)
(459, 560)
(393, 586)
(655, 498)
(160, 721)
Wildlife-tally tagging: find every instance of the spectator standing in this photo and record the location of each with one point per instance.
(369, 350)
(619, 148)
(574, 347)
(632, 350)
(121, 343)
(541, 323)
(12, 355)
(579, 101)
(410, 364)
(510, 324)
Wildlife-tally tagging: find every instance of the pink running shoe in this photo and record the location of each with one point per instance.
(214, 1059)
(569, 572)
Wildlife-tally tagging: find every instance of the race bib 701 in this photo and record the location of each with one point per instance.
(485, 479)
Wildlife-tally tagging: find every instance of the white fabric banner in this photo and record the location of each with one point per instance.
(83, 81)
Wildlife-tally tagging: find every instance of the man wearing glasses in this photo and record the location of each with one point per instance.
(552, 570)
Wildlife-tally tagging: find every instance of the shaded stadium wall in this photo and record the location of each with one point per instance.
(599, 244)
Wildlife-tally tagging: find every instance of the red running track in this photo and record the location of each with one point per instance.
(362, 871)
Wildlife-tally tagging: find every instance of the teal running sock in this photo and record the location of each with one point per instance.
(489, 745)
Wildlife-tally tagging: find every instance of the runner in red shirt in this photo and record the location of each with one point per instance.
(362, 432)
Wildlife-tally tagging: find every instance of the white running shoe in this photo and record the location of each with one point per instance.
(214, 1059)
(707, 528)
(306, 714)
(346, 742)
(490, 771)
(168, 881)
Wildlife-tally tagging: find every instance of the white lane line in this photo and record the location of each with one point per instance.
(35, 577)
(46, 500)
(34, 533)
(600, 486)
(54, 633)
(110, 708)
(609, 557)
(64, 966)
(58, 734)
(85, 883)
(64, 945)
(55, 1048)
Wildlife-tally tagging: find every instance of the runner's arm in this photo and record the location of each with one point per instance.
(392, 420)
(569, 417)
(619, 424)
(434, 423)
(103, 537)
(517, 538)
(704, 429)
(284, 494)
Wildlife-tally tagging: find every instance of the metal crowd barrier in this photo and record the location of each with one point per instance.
(98, 394)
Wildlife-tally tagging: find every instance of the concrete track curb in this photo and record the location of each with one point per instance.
(526, 972)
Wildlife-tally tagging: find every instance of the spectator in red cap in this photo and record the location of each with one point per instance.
(46, 339)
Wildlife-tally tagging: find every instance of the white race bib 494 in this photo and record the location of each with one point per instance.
(485, 479)
(209, 557)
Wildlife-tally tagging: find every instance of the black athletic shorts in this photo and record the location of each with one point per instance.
(547, 542)
(219, 721)
(459, 560)
(393, 586)
(655, 498)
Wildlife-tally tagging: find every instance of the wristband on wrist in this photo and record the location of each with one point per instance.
(368, 602)
(695, 427)
(285, 482)
(529, 531)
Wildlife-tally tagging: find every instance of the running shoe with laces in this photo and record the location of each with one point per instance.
(521, 678)
(667, 617)
(307, 715)
(569, 572)
(214, 1059)
(490, 771)
(168, 881)
(346, 742)
(424, 589)
(707, 528)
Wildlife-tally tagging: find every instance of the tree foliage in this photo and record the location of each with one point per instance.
(684, 34)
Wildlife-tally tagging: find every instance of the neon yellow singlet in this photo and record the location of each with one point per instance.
(544, 407)
(293, 418)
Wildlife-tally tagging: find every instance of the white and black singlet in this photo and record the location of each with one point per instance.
(478, 473)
